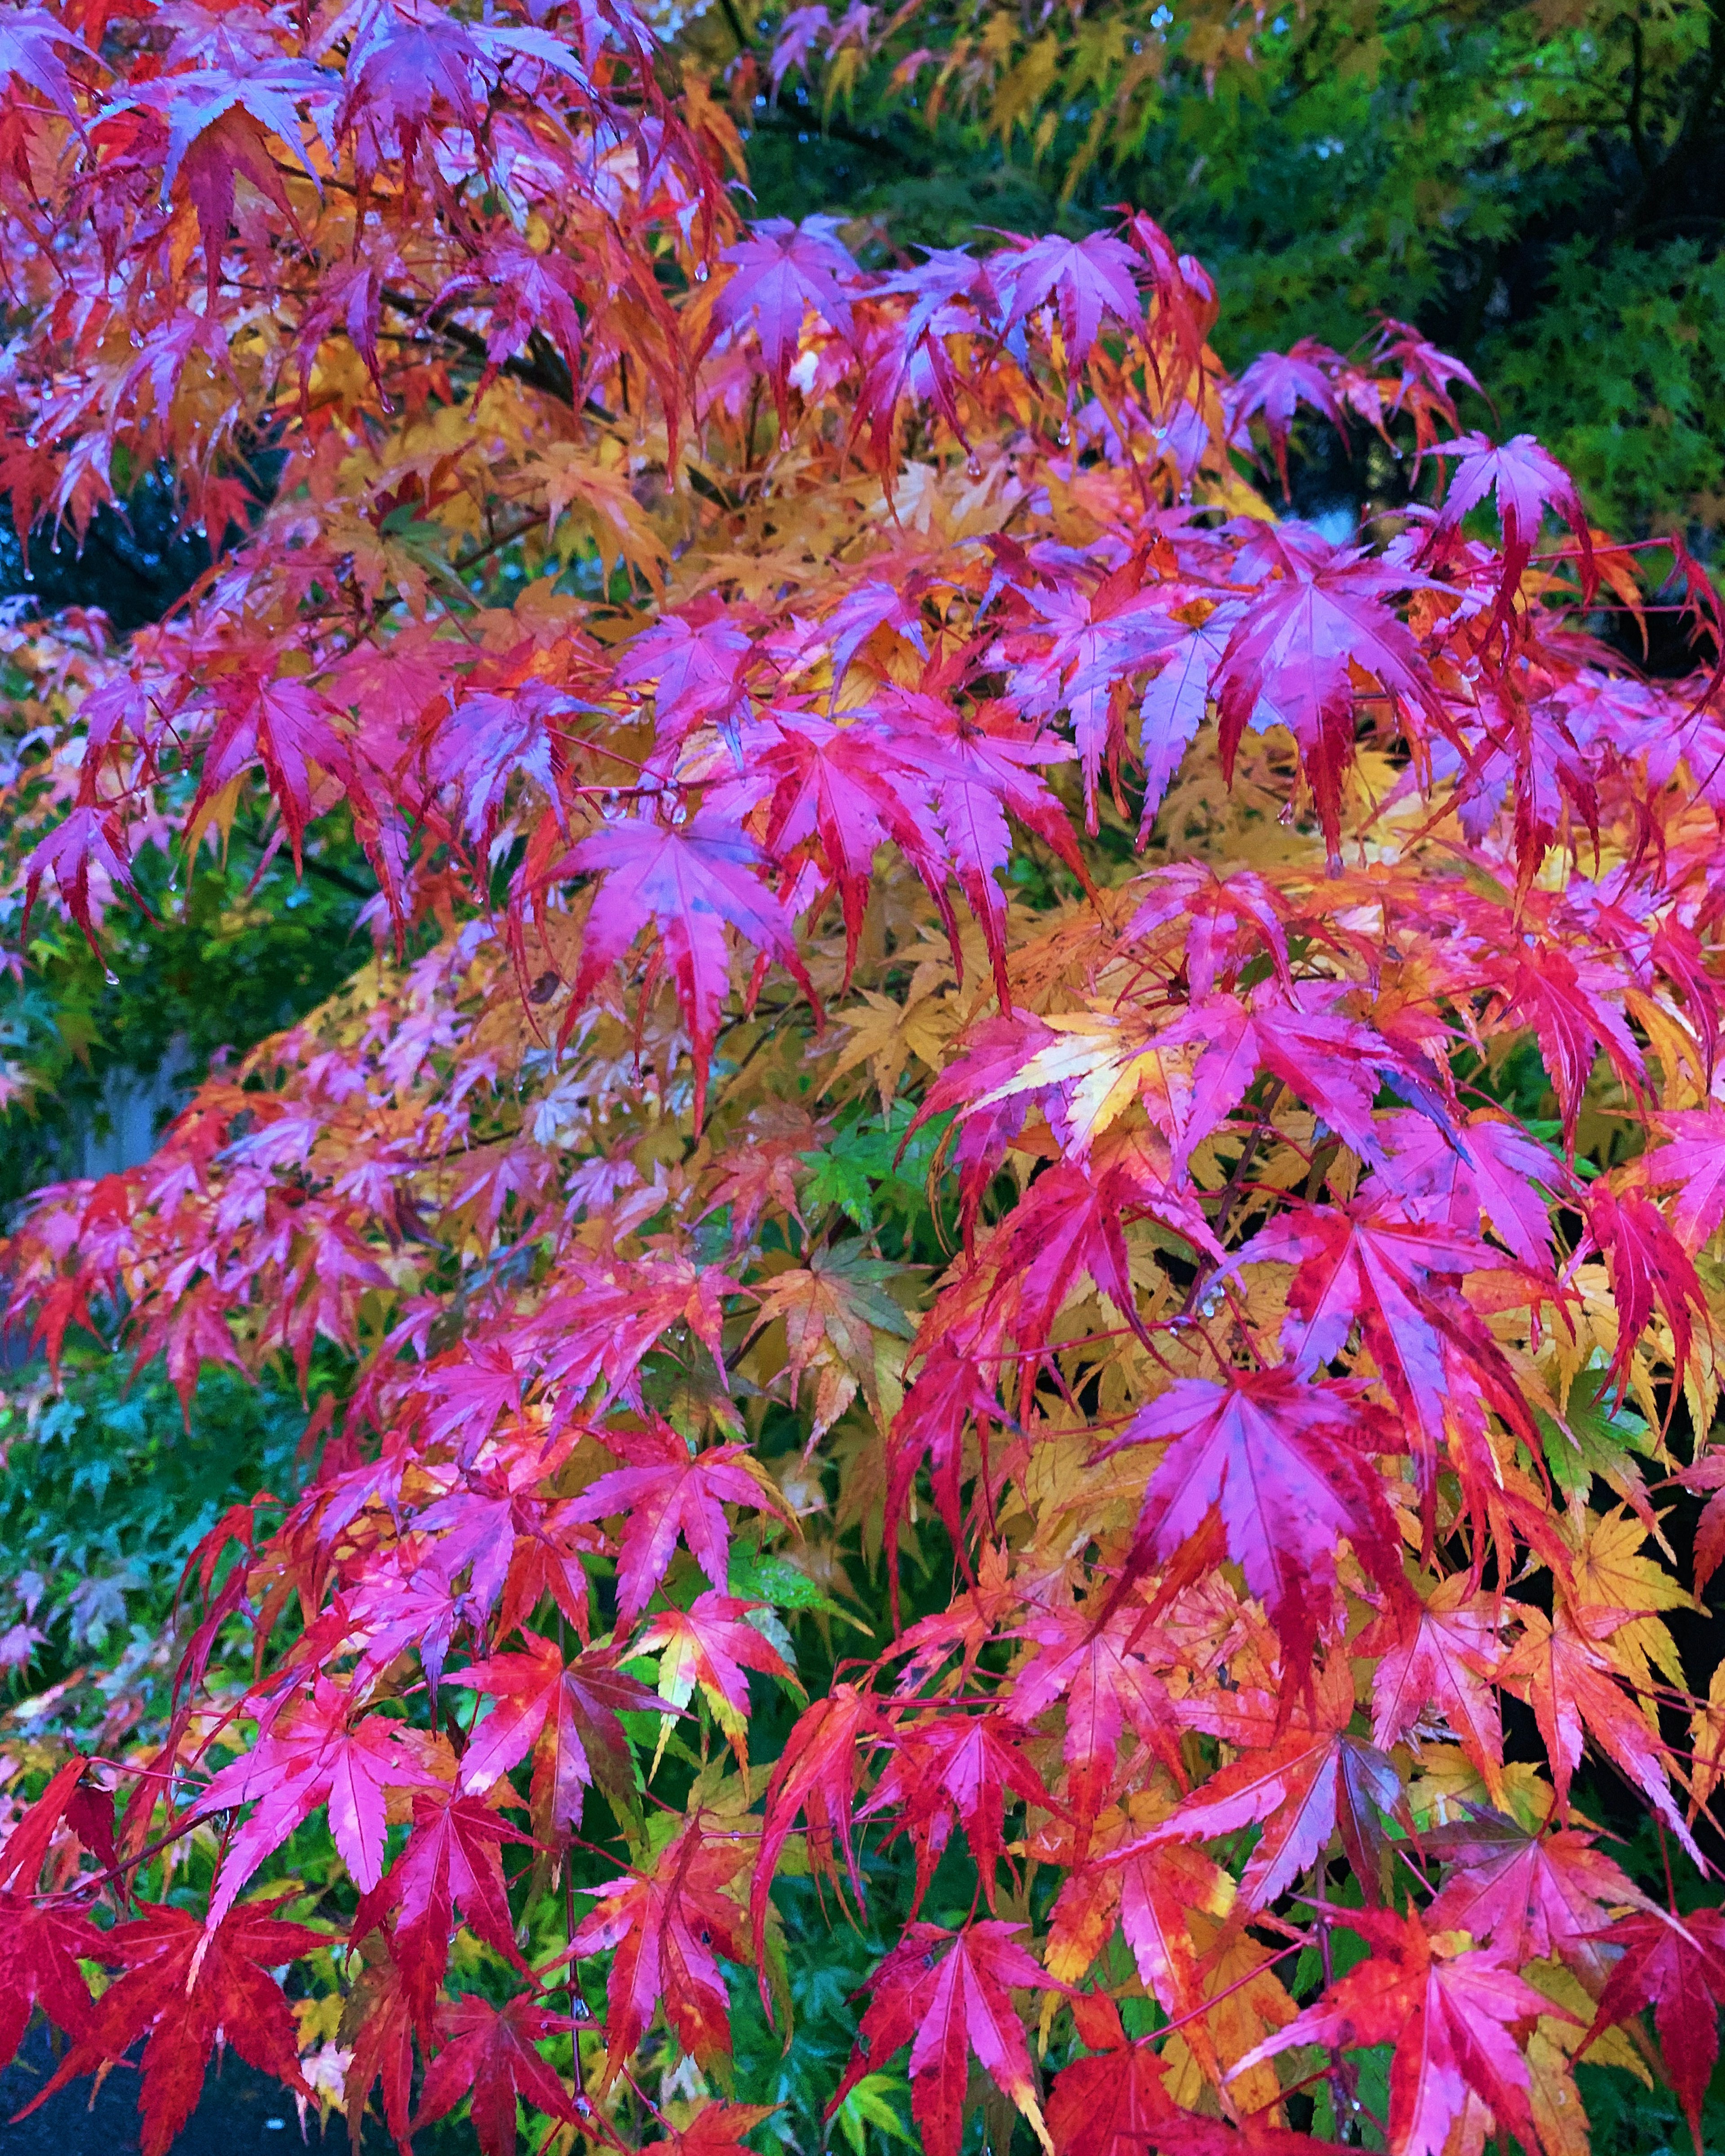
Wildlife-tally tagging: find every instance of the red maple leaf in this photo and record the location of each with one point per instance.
(666, 1927)
(1302, 1787)
(962, 1767)
(980, 768)
(1109, 2105)
(1649, 1270)
(1288, 1464)
(779, 275)
(712, 1644)
(1530, 1895)
(945, 1995)
(310, 1755)
(453, 1860)
(565, 1714)
(1677, 1967)
(717, 2129)
(184, 1989)
(41, 1945)
(850, 788)
(382, 2023)
(816, 1774)
(1291, 659)
(1560, 1670)
(1695, 1163)
(689, 880)
(1277, 382)
(1367, 1263)
(90, 840)
(1087, 281)
(670, 1491)
(1450, 2016)
(1105, 1676)
(493, 2051)
(1527, 480)
(1443, 1650)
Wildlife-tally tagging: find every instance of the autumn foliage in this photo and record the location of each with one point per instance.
(1026, 1188)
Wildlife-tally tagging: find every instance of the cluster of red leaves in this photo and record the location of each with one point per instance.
(1263, 1404)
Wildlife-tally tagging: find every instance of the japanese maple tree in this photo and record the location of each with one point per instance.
(1016, 1236)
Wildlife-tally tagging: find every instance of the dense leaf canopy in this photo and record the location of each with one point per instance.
(1016, 1232)
(1539, 186)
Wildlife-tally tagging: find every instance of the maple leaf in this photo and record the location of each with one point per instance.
(618, 1312)
(695, 666)
(1489, 1166)
(88, 841)
(185, 1989)
(312, 1755)
(1450, 2017)
(1291, 661)
(1426, 373)
(379, 2023)
(980, 770)
(1107, 1677)
(1069, 1225)
(1650, 1268)
(1276, 383)
(1087, 281)
(816, 1775)
(1531, 1895)
(493, 2051)
(1677, 1967)
(41, 1945)
(1441, 1649)
(851, 788)
(1093, 641)
(566, 1715)
(688, 880)
(1526, 480)
(1287, 1465)
(1109, 2105)
(1368, 1263)
(220, 121)
(962, 1767)
(1302, 1788)
(453, 1859)
(711, 1644)
(1563, 1675)
(1172, 709)
(778, 275)
(672, 1491)
(947, 1994)
(1707, 1473)
(717, 2129)
(1324, 1058)
(28, 39)
(1188, 2134)
(946, 1393)
(1570, 1006)
(1695, 1163)
(667, 1927)
(833, 1311)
